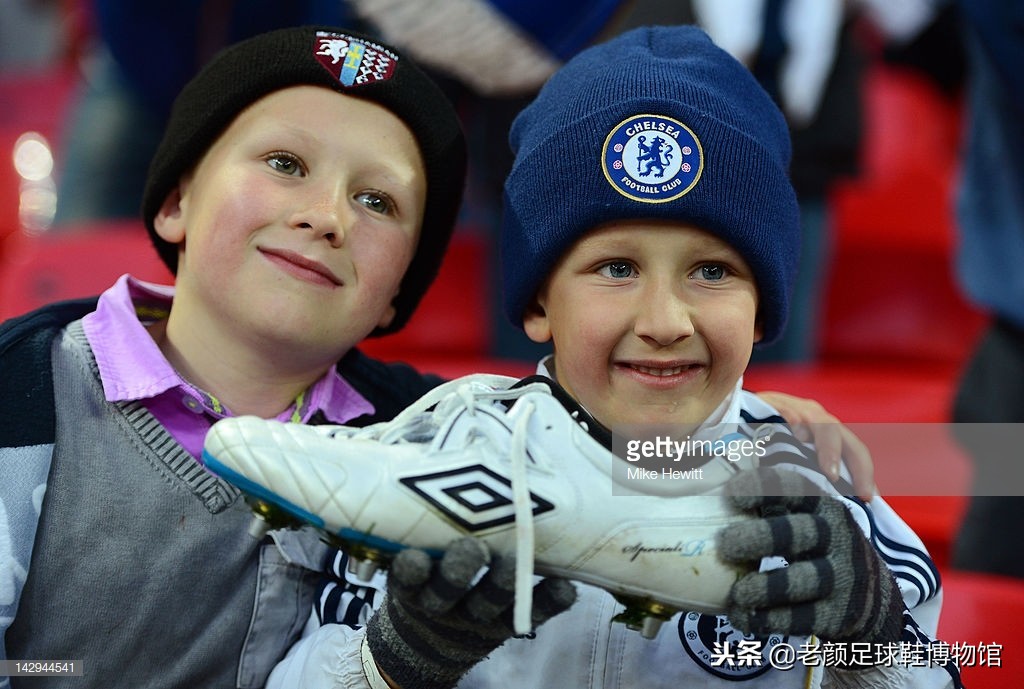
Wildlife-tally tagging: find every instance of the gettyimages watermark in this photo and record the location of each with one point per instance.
(660, 447)
(675, 460)
(941, 459)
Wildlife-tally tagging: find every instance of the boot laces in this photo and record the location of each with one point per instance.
(420, 422)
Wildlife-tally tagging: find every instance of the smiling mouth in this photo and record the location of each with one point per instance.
(302, 267)
(662, 372)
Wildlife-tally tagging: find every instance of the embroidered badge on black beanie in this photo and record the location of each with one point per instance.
(346, 62)
(657, 123)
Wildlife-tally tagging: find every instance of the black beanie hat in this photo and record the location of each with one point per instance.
(346, 62)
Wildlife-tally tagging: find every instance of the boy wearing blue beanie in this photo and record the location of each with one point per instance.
(651, 235)
(653, 140)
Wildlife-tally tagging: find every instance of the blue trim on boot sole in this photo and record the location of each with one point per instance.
(381, 544)
(255, 490)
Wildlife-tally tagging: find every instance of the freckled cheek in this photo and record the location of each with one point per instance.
(384, 261)
(587, 356)
(222, 230)
(731, 341)
(602, 327)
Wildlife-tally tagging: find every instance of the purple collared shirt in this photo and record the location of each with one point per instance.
(132, 367)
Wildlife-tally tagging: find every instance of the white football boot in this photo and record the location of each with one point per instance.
(513, 463)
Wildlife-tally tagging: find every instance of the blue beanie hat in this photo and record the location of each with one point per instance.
(656, 123)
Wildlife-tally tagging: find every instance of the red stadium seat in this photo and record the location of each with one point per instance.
(896, 330)
(34, 103)
(453, 317)
(891, 290)
(450, 332)
(79, 262)
(984, 611)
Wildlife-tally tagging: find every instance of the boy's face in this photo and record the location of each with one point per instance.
(652, 322)
(297, 225)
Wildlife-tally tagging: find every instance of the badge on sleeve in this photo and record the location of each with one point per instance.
(704, 637)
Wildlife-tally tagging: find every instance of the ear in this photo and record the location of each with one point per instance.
(169, 221)
(535, 320)
(758, 329)
(387, 316)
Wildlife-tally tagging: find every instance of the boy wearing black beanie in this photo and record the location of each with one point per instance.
(304, 194)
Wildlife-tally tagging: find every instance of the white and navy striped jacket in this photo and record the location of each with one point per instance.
(582, 648)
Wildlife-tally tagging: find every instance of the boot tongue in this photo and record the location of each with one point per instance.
(587, 422)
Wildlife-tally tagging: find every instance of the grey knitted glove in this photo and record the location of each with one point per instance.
(836, 585)
(434, 624)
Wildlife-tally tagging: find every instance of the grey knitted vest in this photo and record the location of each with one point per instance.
(143, 567)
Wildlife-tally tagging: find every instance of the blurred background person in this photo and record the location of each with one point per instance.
(808, 56)
(139, 57)
(990, 213)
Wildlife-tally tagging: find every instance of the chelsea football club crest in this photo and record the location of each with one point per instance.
(704, 637)
(652, 158)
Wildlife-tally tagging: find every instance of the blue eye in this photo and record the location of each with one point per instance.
(376, 202)
(285, 163)
(617, 270)
(712, 272)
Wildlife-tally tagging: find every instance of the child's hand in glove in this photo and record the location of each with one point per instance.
(435, 624)
(836, 585)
